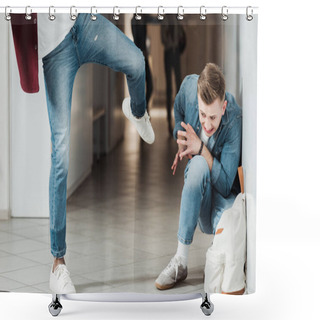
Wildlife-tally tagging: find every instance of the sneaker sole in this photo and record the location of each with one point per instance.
(124, 110)
(169, 286)
(160, 287)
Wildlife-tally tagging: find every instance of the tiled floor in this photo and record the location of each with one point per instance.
(121, 225)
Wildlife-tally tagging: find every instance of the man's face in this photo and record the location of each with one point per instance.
(210, 115)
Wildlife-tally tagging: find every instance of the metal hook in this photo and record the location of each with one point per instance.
(51, 15)
(93, 17)
(28, 15)
(160, 15)
(180, 14)
(249, 16)
(224, 13)
(138, 16)
(73, 15)
(116, 14)
(203, 13)
(7, 15)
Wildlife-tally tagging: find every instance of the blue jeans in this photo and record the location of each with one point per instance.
(88, 41)
(200, 202)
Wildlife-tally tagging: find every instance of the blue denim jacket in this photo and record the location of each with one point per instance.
(224, 145)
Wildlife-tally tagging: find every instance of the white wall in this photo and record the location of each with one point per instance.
(4, 120)
(230, 54)
(31, 145)
(240, 68)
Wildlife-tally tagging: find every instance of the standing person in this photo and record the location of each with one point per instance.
(208, 132)
(64, 45)
(139, 32)
(173, 39)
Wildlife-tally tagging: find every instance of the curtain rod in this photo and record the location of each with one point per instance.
(133, 10)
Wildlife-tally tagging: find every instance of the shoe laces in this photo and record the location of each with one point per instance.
(146, 117)
(63, 273)
(174, 263)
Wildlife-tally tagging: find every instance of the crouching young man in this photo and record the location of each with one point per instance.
(208, 126)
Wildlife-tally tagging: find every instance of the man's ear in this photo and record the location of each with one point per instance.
(224, 106)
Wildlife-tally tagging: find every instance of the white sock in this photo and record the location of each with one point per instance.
(183, 252)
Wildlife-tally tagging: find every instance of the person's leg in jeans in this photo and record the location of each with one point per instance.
(88, 41)
(101, 42)
(196, 200)
(80, 46)
(60, 67)
(196, 205)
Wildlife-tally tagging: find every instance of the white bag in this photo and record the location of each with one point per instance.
(225, 259)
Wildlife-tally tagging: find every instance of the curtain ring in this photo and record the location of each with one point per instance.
(73, 14)
(93, 17)
(203, 13)
(249, 16)
(7, 12)
(51, 15)
(116, 14)
(138, 16)
(160, 15)
(180, 13)
(224, 13)
(28, 14)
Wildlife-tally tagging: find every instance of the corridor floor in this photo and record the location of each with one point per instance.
(122, 225)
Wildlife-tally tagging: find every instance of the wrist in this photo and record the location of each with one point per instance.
(201, 148)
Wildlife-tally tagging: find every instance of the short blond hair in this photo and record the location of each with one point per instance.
(211, 84)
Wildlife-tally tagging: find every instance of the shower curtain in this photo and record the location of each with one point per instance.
(126, 132)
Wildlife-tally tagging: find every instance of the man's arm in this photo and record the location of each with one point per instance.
(224, 171)
(208, 156)
(180, 105)
(179, 115)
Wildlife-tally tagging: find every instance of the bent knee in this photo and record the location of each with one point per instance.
(137, 65)
(198, 164)
(198, 170)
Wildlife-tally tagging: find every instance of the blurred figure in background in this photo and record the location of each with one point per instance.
(174, 41)
(139, 32)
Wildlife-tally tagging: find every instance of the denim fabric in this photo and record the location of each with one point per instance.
(99, 42)
(206, 194)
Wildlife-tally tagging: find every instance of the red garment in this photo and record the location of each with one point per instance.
(25, 37)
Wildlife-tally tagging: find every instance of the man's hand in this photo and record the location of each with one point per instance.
(176, 160)
(191, 141)
(175, 163)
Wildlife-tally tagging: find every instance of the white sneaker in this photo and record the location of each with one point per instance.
(172, 274)
(60, 281)
(143, 125)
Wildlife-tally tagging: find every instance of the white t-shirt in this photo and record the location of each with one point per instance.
(204, 137)
(51, 33)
